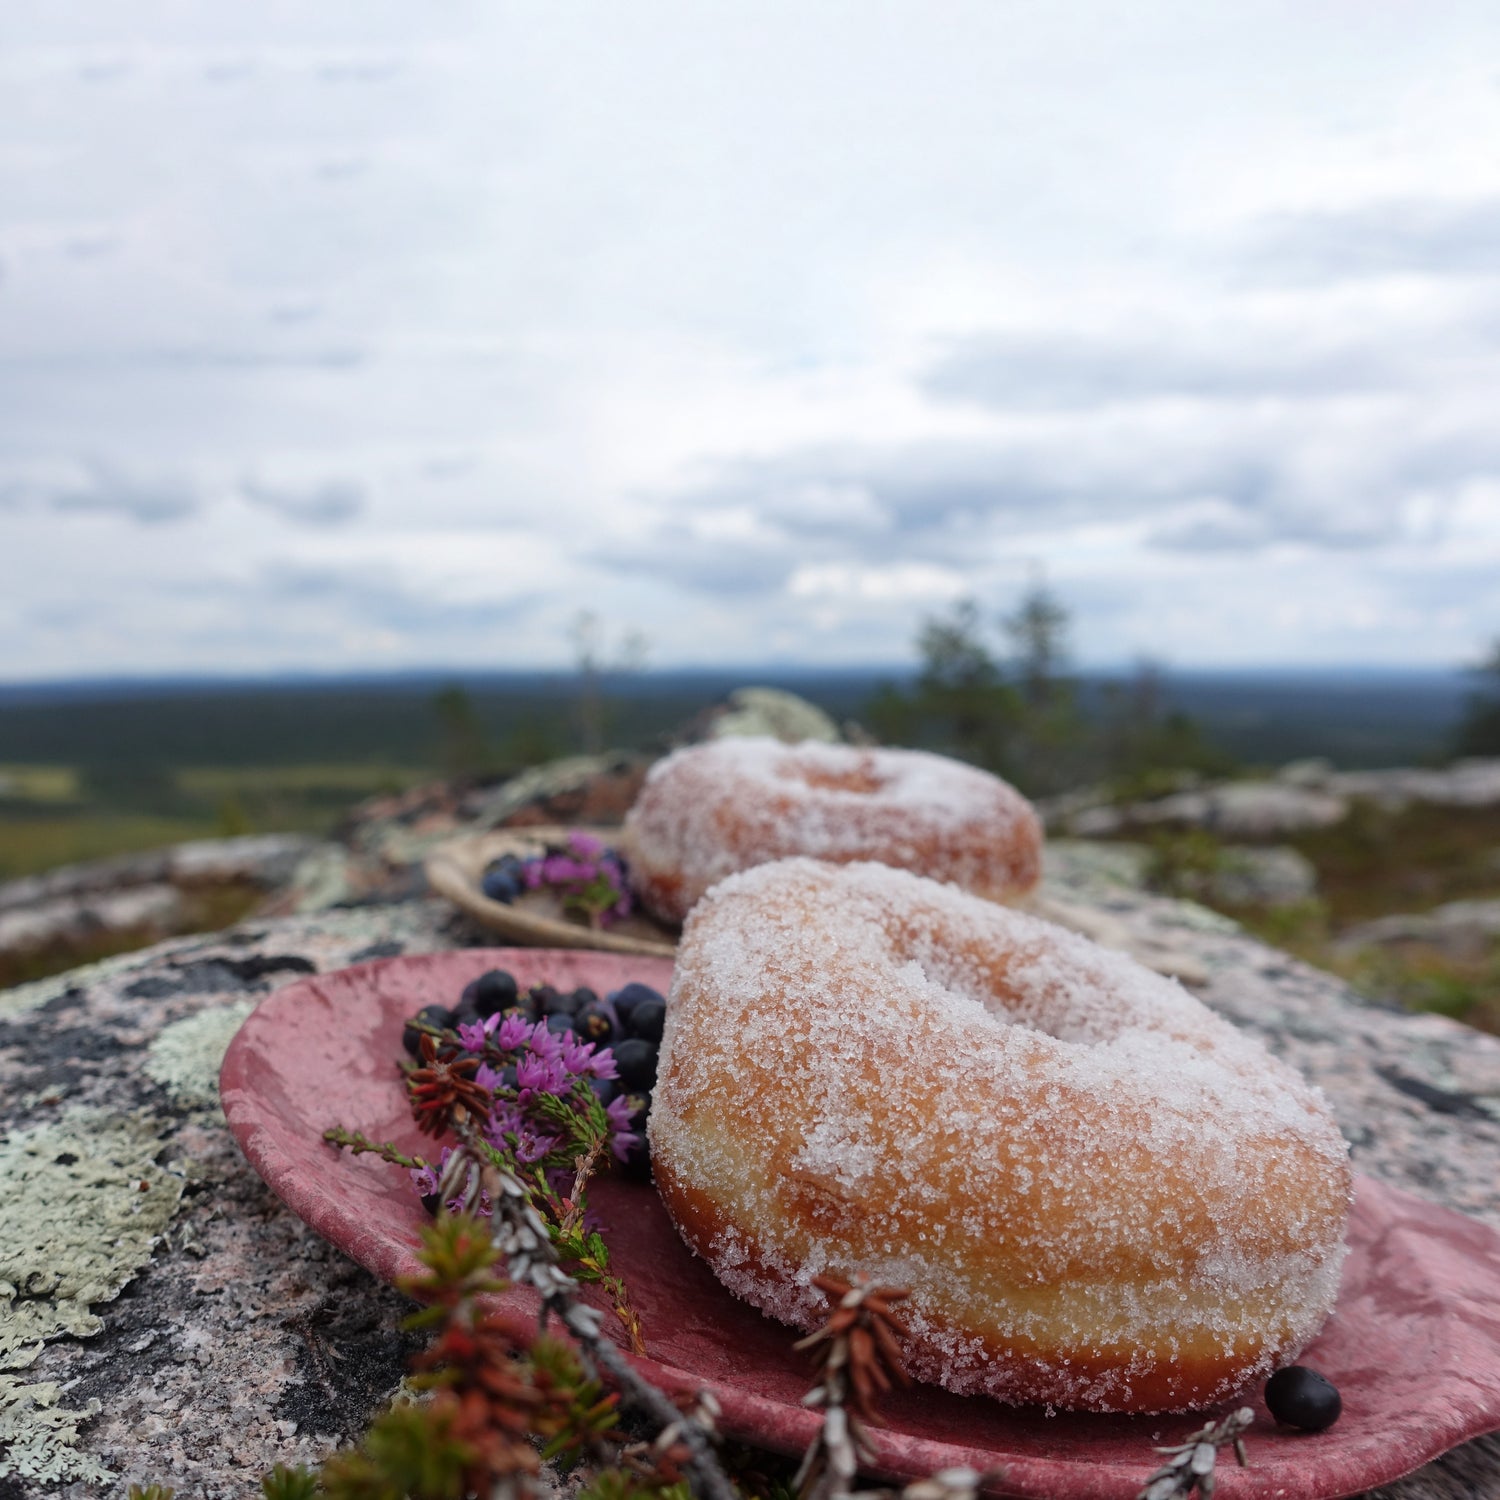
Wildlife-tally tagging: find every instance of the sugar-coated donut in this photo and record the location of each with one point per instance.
(1101, 1195)
(710, 810)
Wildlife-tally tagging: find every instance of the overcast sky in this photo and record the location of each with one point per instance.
(366, 335)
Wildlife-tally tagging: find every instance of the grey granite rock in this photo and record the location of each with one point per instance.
(199, 1331)
(1466, 783)
(1303, 794)
(145, 896)
(75, 919)
(1235, 809)
(1460, 929)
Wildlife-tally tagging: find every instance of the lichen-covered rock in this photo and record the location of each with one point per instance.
(753, 711)
(194, 1332)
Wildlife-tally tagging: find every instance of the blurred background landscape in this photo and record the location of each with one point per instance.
(1101, 394)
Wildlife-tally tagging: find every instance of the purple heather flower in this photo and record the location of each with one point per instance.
(545, 1075)
(544, 1043)
(487, 1078)
(532, 1145)
(505, 1119)
(558, 868)
(622, 1138)
(585, 845)
(577, 1057)
(456, 1205)
(424, 1180)
(531, 872)
(514, 1030)
(602, 1064)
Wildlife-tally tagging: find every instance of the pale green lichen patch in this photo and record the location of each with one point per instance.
(39, 1438)
(185, 1057)
(82, 1202)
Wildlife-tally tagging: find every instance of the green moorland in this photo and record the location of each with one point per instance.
(1378, 862)
(58, 815)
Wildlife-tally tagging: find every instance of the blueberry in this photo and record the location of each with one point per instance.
(501, 885)
(647, 1019)
(560, 1005)
(431, 1202)
(561, 1024)
(494, 991)
(636, 1061)
(606, 1088)
(585, 996)
(627, 998)
(538, 996)
(431, 1015)
(594, 1024)
(1302, 1398)
(638, 1159)
(466, 1013)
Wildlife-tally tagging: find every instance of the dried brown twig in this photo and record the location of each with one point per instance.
(1192, 1462)
(522, 1238)
(857, 1355)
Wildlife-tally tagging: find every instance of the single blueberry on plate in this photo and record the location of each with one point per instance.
(594, 1024)
(647, 1020)
(537, 997)
(636, 1061)
(629, 996)
(1300, 1397)
(494, 991)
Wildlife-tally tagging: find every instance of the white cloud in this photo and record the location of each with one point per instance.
(413, 333)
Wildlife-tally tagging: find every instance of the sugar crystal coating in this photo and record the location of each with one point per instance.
(710, 810)
(1102, 1195)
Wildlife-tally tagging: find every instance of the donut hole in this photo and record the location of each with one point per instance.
(860, 779)
(1020, 987)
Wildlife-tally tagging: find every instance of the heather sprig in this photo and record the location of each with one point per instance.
(529, 1096)
(589, 878)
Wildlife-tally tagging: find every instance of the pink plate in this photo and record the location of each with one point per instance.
(1414, 1345)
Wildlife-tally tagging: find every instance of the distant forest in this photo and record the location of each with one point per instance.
(1355, 718)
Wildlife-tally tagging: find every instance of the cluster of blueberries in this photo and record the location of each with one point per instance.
(628, 1021)
(583, 861)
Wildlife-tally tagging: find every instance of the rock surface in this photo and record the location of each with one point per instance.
(1303, 795)
(150, 895)
(1458, 929)
(189, 1330)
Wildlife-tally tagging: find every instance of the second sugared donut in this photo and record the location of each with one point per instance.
(710, 810)
(1101, 1195)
